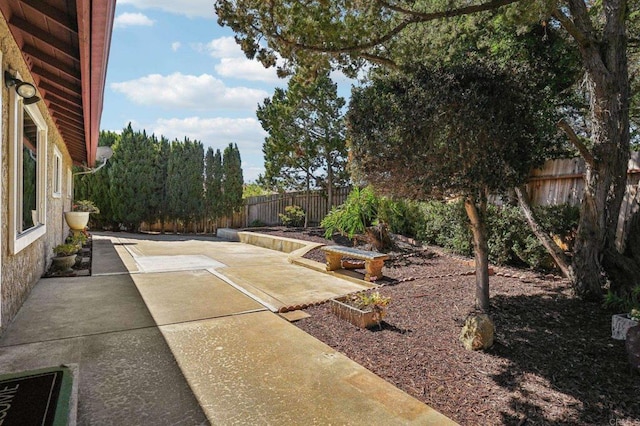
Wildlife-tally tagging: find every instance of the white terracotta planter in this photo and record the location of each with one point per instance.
(620, 324)
(77, 220)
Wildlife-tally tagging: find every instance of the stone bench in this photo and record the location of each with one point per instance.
(373, 261)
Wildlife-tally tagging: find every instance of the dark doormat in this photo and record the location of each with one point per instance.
(38, 397)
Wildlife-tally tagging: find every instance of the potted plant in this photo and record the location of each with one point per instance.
(65, 256)
(621, 323)
(78, 217)
(363, 310)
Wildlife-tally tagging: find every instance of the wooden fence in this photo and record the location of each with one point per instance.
(557, 182)
(267, 208)
(561, 181)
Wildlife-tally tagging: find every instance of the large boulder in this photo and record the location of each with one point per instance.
(477, 332)
(633, 347)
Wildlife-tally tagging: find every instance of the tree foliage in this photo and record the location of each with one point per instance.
(213, 184)
(465, 131)
(232, 180)
(306, 146)
(133, 179)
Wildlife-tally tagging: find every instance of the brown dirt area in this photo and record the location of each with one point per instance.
(553, 361)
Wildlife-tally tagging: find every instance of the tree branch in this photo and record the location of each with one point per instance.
(412, 17)
(552, 248)
(575, 140)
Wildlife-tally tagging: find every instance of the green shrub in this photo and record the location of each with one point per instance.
(512, 242)
(292, 216)
(359, 211)
(401, 216)
(445, 225)
(257, 223)
(629, 302)
(510, 239)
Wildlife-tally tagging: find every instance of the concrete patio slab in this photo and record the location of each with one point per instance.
(109, 262)
(287, 286)
(59, 308)
(127, 377)
(259, 369)
(191, 295)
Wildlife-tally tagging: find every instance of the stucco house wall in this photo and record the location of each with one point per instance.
(21, 271)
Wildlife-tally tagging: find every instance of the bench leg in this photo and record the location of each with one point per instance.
(333, 261)
(373, 269)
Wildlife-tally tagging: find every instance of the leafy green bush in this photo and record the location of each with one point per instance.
(510, 239)
(624, 303)
(359, 211)
(445, 225)
(292, 216)
(401, 216)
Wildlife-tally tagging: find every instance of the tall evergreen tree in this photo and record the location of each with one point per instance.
(213, 184)
(132, 176)
(232, 180)
(162, 177)
(306, 146)
(185, 183)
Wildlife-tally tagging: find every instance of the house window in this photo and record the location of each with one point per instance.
(28, 164)
(69, 183)
(57, 173)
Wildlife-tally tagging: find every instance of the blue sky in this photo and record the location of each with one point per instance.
(174, 71)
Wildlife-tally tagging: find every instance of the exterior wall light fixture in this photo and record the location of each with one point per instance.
(25, 90)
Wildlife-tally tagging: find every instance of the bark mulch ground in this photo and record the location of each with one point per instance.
(554, 361)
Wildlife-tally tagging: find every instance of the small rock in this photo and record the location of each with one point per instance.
(477, 332)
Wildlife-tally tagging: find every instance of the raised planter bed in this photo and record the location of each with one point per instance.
(362, 318)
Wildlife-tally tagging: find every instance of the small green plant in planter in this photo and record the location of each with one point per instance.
(85, 206)
(66, 249)
(374, 302)
(635, 314)
(77, 238)
(65, 257)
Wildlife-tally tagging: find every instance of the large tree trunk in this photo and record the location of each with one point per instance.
(605, 61)
(329, 186)
(476, 211)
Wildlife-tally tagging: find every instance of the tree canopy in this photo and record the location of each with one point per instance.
(306, 147)
(463, 131)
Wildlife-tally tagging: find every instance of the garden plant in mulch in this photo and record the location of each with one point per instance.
(553, 361)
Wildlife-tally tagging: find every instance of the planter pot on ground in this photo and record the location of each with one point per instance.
(364, 319)
(77, 220)
(620, 324)
(64, 263)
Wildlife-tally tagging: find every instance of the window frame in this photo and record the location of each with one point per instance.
(21, 240)
(56, 184)
(69, 183)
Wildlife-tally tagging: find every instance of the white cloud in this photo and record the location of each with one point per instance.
(246, 69)
(233, 62)
(177, 90)
(132, 20)
(222, 47)
(190, 8)
(175, 46)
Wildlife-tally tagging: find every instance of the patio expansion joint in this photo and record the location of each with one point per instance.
(79, 336)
